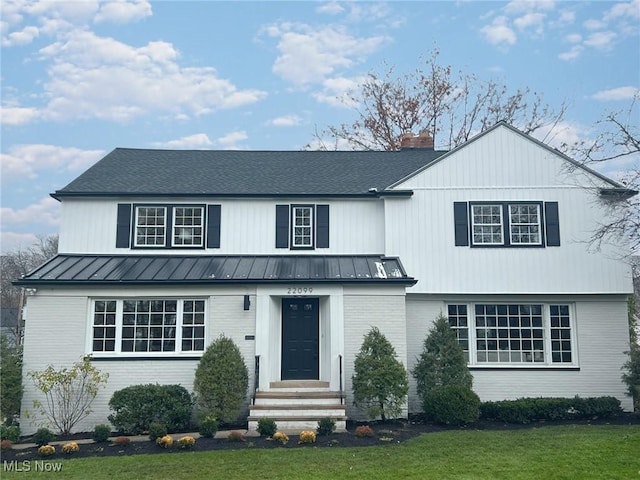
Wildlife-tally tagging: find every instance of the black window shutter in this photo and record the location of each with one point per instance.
(213, 226)
(123, 228)
(322, 226)
(552, 224)
(461, 222)
(282, 226)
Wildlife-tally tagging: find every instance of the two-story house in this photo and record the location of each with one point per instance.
(295, 255)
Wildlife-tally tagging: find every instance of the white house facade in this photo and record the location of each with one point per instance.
(297, 255)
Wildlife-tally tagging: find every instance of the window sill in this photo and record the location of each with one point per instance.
(129, 357)
(573, 368)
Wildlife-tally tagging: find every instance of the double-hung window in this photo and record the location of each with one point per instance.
(169, 226)
(506, 224)
(302, 232)
(498, 334)
(153, 326)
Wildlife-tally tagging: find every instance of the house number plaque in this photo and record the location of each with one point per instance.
(299, 290)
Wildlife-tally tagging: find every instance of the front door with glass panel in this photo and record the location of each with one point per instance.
(300, 337)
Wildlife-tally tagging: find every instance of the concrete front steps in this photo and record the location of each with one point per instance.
(297, 405)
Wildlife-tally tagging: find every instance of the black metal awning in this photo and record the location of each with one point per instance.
(216, 269)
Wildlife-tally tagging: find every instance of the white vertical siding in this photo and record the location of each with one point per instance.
(361, 313)
(247, 227)
(602, 337)
(502, 166)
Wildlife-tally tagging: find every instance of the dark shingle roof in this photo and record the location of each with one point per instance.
(216, 269)
(232, 172)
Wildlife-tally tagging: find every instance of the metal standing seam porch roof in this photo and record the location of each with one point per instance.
(216, 269)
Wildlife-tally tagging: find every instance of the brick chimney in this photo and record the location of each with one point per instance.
(409, 141)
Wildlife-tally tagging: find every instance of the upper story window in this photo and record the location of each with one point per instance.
(302, 232)
(188, 223)
(506, 224)
(168, 226)
(528, 334)
(148, 325)
(302, 226)
(151, 226)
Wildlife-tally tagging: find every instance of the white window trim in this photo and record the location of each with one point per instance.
(539, 224)
(294, 209)
(546, 324)
(501, 225)
(136, 226)
(174, 227)
(118, 353)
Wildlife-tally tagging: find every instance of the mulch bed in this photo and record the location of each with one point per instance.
(385, 433)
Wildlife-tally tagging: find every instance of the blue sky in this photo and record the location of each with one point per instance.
(82, 78)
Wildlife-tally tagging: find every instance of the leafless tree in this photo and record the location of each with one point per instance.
(618, 141)
(451, 108)
(14, 265)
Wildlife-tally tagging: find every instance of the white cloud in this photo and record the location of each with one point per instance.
(290, 120)
(309, 54)
(31, 160)
(562, 133)
(338, 92)
(17, 115)
(620, 93)
(196, 141)
(573, 38)
(573, 53)
(46, 211)
(98, 77)
(601, 40)
(330, 8)
(230, 140)
(516, 7)
(21, 37)
(593, 24)
(499, 32)
(12, 241)
(531, 21)
(623, 10)
(123, 12)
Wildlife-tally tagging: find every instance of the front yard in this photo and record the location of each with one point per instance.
(549, 452)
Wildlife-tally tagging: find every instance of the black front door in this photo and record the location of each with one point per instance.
(300, 330)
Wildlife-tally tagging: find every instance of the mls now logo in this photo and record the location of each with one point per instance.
(31, 466)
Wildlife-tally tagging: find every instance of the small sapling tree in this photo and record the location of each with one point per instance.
(380, 383)
(68, 393)
(221, 380)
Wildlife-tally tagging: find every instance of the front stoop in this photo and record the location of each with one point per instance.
(298, 405)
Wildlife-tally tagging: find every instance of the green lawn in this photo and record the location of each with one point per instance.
(555, 452)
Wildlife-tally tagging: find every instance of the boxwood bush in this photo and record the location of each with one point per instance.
(137, 406)
(527, 410)
(451, 405)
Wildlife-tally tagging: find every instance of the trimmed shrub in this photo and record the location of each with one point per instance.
(71, 447)
(307, 436)
(364, 431)
(527, 410)
(136, 407)
(166, 441)
(380, 383)
(281, 437)
(208, 426)
(451, 405)
(326, 426)
(235, 436)
(42, 437)
(186, 442)
(10, 433)
(101, 433)
(157, 430)
(122, 441)
(221, 380)
(267, 427)
(10, 380)
(46, 450)
(6, 445)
